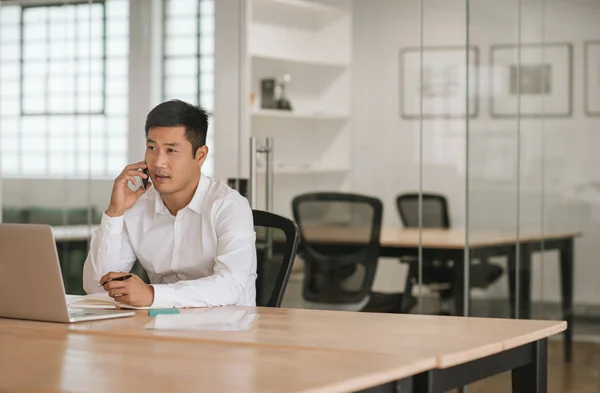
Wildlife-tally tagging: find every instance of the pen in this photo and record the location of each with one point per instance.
(122, 278)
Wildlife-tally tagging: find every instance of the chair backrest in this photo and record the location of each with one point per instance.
(277, 241)
(339, 235)
(434, 207)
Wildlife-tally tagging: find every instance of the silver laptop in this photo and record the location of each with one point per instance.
(31, 284)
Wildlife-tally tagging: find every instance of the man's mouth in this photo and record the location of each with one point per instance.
(161, 178)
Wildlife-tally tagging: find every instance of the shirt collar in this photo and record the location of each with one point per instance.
(196, 202)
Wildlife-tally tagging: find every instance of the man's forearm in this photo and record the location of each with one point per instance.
(110, 250)
(212, 291)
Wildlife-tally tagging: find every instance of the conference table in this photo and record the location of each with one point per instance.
(450, 245)
(440, 244)
(286, 350)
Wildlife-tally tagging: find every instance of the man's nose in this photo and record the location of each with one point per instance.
(160, 161)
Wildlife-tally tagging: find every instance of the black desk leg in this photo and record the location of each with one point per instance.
(533, 377)
(566, 281)
(512, 281)
(458, 282)
(524, 284)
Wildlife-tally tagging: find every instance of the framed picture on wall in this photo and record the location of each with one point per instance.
(439, 80)
(592, 78)
(531, 80)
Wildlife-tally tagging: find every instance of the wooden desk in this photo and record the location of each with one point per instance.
(58, 361)
(488, 345)
(448, 245)
(440, 244)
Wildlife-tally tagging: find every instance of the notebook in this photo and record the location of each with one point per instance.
(98, 300)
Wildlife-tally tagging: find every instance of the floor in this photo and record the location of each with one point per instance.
(581, 376)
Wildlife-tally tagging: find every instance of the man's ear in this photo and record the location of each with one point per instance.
(201, 154)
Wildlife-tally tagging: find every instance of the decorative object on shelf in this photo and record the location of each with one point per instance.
(439, 82)
(531, 80)
(592, 78)
(267, 93)
(280, 98)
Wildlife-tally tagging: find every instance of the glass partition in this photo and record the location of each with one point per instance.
(64, 89)
(563, 162)
(496, 201)
(458, 118)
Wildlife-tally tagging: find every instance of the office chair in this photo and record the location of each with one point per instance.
(277, 241)
(435, 214)
(339, 272)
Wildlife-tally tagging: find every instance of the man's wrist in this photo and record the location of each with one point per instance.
(151, 295)
(113, 212)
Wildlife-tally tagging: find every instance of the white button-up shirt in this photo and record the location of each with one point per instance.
(204, 256)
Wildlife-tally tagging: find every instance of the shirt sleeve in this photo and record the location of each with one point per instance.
(235, 263)
(110, 251)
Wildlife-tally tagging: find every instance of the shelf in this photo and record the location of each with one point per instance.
(307, 171)
(285, 61)
(281, 114)
(296, 12)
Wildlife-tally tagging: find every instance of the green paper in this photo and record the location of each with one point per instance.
(155, 311)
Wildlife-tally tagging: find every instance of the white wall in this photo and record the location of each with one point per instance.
(231, 141)
(387, 162)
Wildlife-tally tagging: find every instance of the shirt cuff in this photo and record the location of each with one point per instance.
(162, 296)
(112, 225)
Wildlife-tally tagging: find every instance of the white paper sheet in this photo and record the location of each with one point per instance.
(221, 319)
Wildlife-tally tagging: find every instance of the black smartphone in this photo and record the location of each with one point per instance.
(145, 181)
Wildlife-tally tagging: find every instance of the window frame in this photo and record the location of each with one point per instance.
(103, 58)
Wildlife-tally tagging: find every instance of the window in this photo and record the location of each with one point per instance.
(188, 57)
(64, 89)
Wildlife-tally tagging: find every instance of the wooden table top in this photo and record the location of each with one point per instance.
(454, 238)
(56, 361)
(390, 236)
(451, 340)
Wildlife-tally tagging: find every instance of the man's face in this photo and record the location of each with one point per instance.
(170, 161)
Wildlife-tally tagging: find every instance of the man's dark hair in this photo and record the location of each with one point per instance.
(176, 113)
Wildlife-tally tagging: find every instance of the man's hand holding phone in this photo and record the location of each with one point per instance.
(122, 197)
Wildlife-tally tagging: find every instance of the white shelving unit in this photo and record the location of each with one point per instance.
(277, 114)
(308, 170)
(312, 41)
(297, 61)
(305, 12)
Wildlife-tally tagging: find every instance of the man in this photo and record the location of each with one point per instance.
(193, 235)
